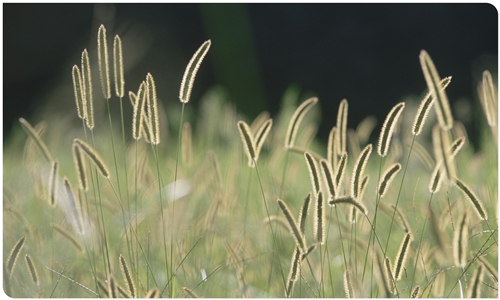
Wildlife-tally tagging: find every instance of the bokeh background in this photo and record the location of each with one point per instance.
(367, 53)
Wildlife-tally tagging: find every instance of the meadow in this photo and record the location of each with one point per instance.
(179, 201)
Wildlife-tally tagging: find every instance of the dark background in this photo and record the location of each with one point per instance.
(367, 53)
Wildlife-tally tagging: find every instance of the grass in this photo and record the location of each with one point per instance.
(216, 241)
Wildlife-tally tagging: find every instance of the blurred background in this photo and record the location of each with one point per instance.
(366, 53)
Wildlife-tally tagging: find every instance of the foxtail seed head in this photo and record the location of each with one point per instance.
(342, 127)
(80, 167)
(261, 135)
(53, 182)
(293, 275)
(388, 128)
(460, 238)
(357, 172)
(489, 98)
(153, 110)
(349, 200)
(432, 79)
(102, 51)
(326, 170)
(332, 152)
(87, 90)
(32, 133)
(478, 205)
(319, 219)
(339, 174)
(348, 286)
(118, 67)
(425, 108)
(139, 113)
(312, 165)
(296, 119)
(78, 89)
(129, 280)
(31, 269)
(248, 142)
(400, 260)
(300, 240)
(14, 254)
(387, 178)
(191, 70)
(94, 157)
(476, 282)
(304, 211)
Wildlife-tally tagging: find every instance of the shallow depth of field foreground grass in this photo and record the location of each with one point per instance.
(166, 204)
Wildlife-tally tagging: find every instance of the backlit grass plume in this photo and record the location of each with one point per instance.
(295, 230)
(304, 211)
(31, 269)
(139, 114)
(425, 108)
(53, 182)
(94, 157)
(293, 275)
(433, 81)
(79, 93)
(296, 119)
(332, 151)
(87, 90)
(357, 172)
(489, 98)
(312, 166)
(127, 275)
(14, 254)
(152, 109)
(326, 170)
(388, 128)
(467, 191)
(32, 133)
(349, 200)
(339, 174)
(342, 127)
(387, 178)
(348, 286)
(319, 219)
(460, 241)
(191, 70)
(248, 142)
(102, 54)
(80, 167)
(118, 67)
(476, 282)
(441, 143)
(400, 261)
(261, 135)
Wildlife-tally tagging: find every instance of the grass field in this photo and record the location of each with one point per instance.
(198, 215)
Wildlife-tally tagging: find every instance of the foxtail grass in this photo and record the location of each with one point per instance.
(31, 269)
(102, 54)
(53, 183)
(460, 241)
(388, 129)
(118, 67)
(425, 108)
(342, 127)
(387, 178)
(153, 293)
(319, 219)
(304, 211)
(80, 168)
(87, 90)
(400, 261)
(32, 133)
(351, 201)
(312, 166)
(248, 142)
(433, 80)
(14, 254)
(358, 170)
(295, 230)
(94, 157)
(79, 93)
(127, 275)
(474, 290)
(296, 119)
(293, 275)
(191, 70)
(489, 98)
(467, 191)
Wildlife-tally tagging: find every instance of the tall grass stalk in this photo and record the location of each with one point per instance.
(130, 256)
(399, 194)
(270, 223)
